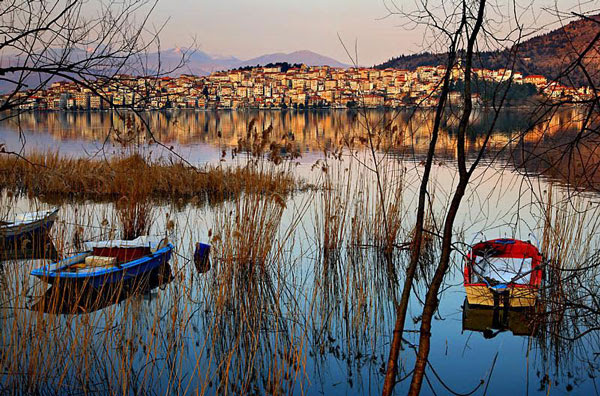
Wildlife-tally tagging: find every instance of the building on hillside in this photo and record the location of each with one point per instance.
(537, 80)
(373, 100)
(96, 102)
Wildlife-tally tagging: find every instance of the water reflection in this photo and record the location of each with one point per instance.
(312, 130)
(492, 321)
(521, 137)
(31, 247)
(286, 323)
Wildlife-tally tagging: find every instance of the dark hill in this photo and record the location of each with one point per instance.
(547, 54)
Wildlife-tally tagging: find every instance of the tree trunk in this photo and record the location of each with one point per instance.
(431, 300)
(402, 307)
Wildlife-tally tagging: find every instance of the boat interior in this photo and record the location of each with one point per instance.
(503, 269)
(110, 254)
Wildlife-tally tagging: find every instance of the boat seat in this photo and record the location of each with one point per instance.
(96, 261)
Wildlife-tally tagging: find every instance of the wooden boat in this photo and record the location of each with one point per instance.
(72, 298)
(27, 230)
(106, 262)
(503, 272)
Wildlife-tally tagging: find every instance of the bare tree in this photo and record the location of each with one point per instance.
(89, 43)
(464, 27)
(458, 26)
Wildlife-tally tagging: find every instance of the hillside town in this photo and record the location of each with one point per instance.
(280, 87)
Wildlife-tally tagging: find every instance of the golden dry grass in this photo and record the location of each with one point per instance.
(53, 176)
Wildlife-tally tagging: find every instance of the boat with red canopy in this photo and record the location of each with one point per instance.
(503, 272)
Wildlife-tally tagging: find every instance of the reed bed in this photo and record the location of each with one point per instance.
(568, 309)
(352, 212)
(51, 176)
(360, 249)
(331, 223)
(243, 241)
(356, 260)
(254, 345)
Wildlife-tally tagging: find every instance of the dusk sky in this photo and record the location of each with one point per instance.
(246, 29)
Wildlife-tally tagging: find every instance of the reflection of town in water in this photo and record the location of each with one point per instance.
(310, 130)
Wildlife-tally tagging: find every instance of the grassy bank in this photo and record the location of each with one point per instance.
(53, 176)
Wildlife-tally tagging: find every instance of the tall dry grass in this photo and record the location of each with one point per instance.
(50, 175)
(256, 347)
(360, 249)
(243, 244)
(351, 216)
(568, 305)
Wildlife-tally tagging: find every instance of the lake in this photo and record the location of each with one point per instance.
(299, 297)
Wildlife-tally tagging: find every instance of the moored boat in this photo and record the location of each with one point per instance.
(27, 230)
(71, 298)
(106, 262)
(503, 272)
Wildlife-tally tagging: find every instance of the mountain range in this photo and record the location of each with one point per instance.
(203, 63)
(169, 62)
(547, 54)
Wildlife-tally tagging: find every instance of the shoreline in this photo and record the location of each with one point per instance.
(284, 110)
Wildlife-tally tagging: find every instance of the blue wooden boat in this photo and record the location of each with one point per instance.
(107, 262)
(29, 228)
(70, 298)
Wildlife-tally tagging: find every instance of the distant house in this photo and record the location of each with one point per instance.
(537, 80)
(96, 102)
(373, 100)
(270, 87)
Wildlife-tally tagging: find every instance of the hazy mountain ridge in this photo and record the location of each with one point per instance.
(169, 61)
(547, 54)
(202, 63)
(309, 58)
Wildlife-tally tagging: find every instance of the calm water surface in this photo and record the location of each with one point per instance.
(323, 324)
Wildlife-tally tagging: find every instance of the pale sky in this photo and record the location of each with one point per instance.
(250, 28)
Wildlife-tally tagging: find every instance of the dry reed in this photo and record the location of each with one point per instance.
(568, 305)
(48, 175)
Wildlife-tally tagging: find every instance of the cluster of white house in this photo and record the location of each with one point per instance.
(276, 87)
